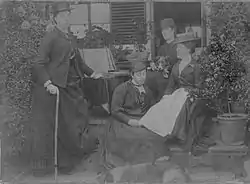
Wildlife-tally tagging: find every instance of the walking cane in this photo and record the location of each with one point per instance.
(1, 160)
(56, 138)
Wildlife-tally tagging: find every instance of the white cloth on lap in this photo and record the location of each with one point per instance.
(161, 117)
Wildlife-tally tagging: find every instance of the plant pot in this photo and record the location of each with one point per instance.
(238, 107)
(232, 129)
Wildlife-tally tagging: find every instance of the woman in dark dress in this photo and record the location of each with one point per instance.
(194, 115)
(182, 118)
(125, 139)
(156, 81)
(59, 67)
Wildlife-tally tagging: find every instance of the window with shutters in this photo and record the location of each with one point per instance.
(123, 15)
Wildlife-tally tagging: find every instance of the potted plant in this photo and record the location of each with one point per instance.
(224, 65)
(224, 84)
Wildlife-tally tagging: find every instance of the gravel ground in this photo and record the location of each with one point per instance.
(199, 175)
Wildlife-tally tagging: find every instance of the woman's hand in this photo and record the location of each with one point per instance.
(52, 89)
(165, 96)
(191, 100)
(97, 75)
(134, 123)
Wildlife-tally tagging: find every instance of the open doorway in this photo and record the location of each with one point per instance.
(185, 15)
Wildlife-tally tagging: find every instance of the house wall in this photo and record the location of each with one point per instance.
(101, 15)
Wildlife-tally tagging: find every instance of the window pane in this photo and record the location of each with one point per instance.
(100, 13)
(79, 15)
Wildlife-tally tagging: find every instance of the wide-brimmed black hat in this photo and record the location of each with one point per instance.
(186, 37)
(61, 7)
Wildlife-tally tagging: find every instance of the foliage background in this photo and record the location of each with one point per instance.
(225, 62)
(23, 26)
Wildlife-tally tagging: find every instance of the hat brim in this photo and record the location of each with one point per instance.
(162, 27)
(138, 70)
(141, 68)
(64, 10)
(187, 40)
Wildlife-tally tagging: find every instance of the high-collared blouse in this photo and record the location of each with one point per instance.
(129, 103)
(189, 77)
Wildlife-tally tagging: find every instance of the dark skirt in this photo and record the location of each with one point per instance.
(73, 120)
(193, 122)
(132, 145)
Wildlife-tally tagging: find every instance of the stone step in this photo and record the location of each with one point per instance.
(229, 150)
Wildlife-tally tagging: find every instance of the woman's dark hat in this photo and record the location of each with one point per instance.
(167, 23)
(138, 66)
(186, 37)
(61, 7)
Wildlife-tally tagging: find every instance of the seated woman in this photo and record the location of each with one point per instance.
(176, 114)
(127, 140)
(132, 99)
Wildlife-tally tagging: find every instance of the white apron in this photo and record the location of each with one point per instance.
(161, 117)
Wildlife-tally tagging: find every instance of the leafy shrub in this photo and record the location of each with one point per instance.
(24, 26)
(224, 63)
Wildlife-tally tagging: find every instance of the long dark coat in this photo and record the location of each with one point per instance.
(61, 63)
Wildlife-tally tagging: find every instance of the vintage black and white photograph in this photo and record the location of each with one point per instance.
(124, 91)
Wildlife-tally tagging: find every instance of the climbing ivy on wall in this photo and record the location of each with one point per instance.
(23, 25)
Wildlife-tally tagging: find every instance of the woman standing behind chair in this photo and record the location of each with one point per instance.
(156, 81)
(58, 67)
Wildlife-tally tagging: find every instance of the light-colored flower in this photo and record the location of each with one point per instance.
(34, 22)
(33, 19)
(25, 25)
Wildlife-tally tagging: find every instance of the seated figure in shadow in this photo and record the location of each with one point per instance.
(125, 138)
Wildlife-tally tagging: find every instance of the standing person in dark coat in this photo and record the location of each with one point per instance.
(59, 67)
(156, 81)
(168, 28)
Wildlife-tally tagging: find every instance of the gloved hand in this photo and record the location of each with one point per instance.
(97, 75)
(52, 89)
(134, 123)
